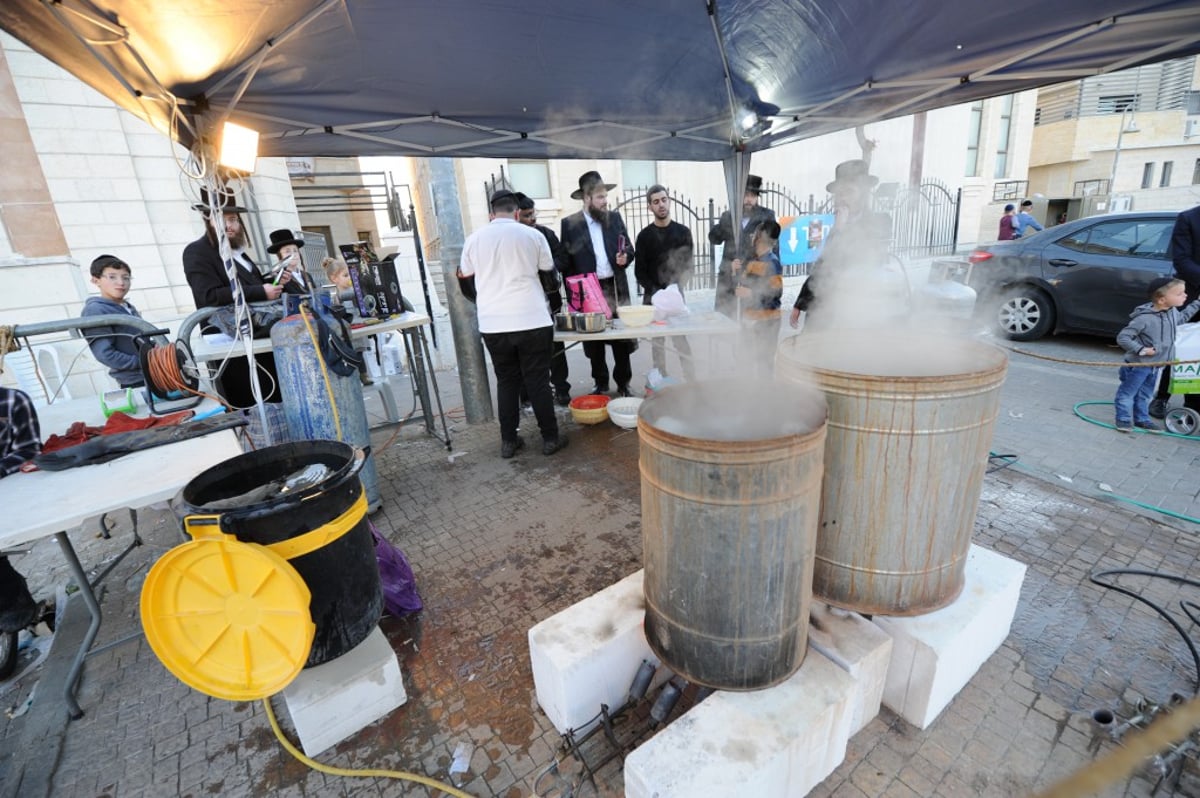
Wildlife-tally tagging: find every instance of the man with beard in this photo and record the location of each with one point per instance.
(527, 215)
(737, 248)
(664, 257)
(597, 242)
(854, 256)
(205, 272)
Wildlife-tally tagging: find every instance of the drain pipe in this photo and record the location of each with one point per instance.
(464, 324)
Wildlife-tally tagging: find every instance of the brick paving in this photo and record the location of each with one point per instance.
(498, 545)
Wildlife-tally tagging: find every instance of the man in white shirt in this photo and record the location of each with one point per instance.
(509, 261)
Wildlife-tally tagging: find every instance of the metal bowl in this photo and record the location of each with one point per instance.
(564, 322)
(589, 322)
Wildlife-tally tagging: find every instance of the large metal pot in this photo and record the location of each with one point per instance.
(589, 322)
(564, 322)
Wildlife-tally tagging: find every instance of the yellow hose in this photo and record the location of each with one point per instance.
(368, 773)
(312, 335)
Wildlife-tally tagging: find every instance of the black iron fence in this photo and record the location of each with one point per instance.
(924, 220)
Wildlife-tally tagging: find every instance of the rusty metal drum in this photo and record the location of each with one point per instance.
(731, 482)
(911, 418)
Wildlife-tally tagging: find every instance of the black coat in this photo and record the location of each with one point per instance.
(1185, 249)
(581, 258)
(205, 272)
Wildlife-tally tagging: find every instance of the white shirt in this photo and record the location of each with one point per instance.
(505, 258)
(604, 269)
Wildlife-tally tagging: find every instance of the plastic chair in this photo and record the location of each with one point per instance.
(22, 365)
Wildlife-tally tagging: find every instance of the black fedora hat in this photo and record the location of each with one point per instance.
(754, 184)
(281, 238)
(588, 181)
(224, 200)
(855, 171)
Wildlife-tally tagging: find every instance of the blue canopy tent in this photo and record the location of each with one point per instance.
(673, 80)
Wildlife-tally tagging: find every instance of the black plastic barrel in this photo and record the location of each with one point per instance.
(342, 575)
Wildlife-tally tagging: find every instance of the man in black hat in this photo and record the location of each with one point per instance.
(855, 251)
(205, 272)
(287, 248)
(597, 242)
(510, 265)
(737, 248)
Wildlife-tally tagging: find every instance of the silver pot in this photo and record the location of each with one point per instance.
(564, 322)
(589, 322)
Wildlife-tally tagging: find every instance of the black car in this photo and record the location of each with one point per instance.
(1084, 276)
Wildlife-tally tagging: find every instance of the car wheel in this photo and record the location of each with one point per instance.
(1025, 314)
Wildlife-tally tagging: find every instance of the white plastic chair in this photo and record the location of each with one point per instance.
(21, 364)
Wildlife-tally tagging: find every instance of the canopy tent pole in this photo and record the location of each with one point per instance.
(464, 324)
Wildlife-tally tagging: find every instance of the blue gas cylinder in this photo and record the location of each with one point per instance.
(306, 405)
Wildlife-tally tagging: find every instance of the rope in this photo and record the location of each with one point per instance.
(8, 342)
(403, 775)
(1099, 363)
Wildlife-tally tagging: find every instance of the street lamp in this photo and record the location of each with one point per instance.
(1130, 128)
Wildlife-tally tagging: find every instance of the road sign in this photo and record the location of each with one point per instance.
(802, 237)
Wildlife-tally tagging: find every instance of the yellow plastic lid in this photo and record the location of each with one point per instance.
(229, 619)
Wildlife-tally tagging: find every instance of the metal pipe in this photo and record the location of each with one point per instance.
(464, 324)
(85, 323)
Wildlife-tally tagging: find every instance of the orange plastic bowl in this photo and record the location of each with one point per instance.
(589, 409)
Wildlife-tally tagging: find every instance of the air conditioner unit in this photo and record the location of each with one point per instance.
(1192, 128)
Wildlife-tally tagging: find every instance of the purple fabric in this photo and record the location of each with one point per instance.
(395, 577)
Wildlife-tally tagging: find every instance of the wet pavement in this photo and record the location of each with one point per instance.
(498, 545)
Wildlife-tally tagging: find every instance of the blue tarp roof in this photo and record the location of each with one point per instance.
(554, 79)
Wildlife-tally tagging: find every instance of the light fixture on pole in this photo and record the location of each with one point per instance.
(239, 147)
(1131, 127)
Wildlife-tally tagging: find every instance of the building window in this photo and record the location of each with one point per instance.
(638, 174)
(973, 129)
(1165, 180)
(1196, 173)
(1148, 175)
(1004, 136)
(532, 178)
(1116, 103)
(1010, 190)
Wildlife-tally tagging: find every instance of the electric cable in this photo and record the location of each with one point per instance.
(402, 775)
(1183, 580)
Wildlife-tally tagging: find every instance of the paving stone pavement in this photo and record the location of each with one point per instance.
(498, 545)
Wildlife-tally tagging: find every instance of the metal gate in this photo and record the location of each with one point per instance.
(924, 219)
(636, 213)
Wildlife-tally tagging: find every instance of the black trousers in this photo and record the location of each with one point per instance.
(622, 372)
(522, 358)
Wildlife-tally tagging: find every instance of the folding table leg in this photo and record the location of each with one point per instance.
(89, 598)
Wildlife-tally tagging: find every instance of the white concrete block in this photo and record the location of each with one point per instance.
(330, 702)
(781, 741)
(935, 655)
(588, 654)
(860, 648)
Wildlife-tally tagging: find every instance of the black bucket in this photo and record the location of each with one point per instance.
(342, 575)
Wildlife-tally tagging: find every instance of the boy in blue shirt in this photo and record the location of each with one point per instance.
(113, 346)
(1149, 338)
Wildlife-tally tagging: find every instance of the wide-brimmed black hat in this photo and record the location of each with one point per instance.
(753, 185)
(587, 182)
(224, 200)
(281, 238)
(850, 172)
